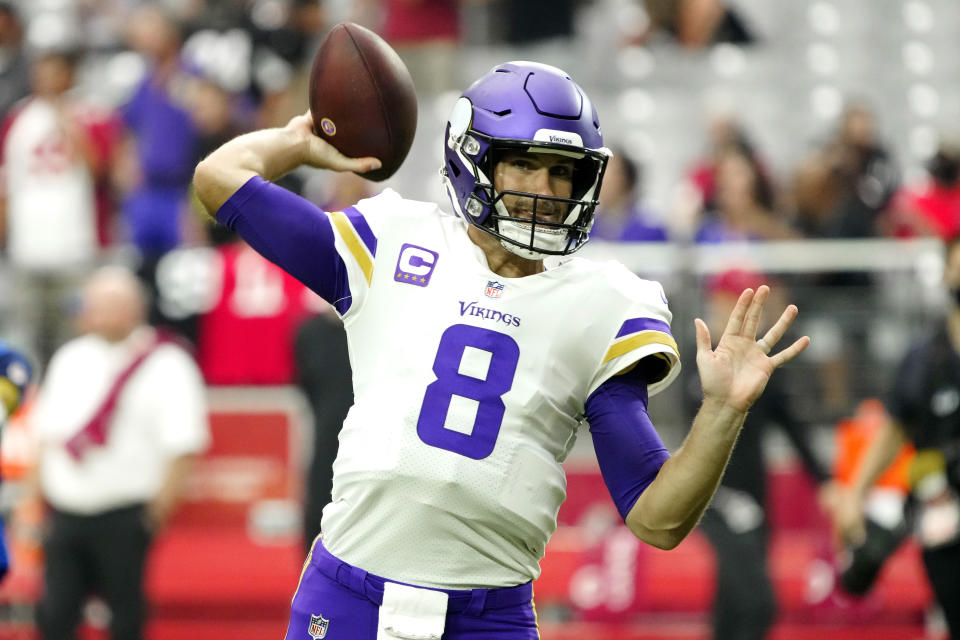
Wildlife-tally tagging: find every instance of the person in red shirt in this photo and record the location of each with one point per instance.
(425, 33)
(932, 207)
(258, 305)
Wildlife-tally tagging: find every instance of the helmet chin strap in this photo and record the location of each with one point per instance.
(523, 252)
(520, 232)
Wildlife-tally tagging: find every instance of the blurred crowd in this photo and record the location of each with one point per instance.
(108, 105)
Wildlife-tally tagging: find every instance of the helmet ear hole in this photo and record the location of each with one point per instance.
(454, 169)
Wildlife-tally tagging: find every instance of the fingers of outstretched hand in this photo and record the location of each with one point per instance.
(703, 336)
(772, 337)
(790, 352)
(752, 319)
(735, 323)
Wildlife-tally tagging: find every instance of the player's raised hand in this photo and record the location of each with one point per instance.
(323, 155)
(270, 154)
(737, 370)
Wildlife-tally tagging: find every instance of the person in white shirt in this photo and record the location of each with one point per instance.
(51, 163)
(121, 418)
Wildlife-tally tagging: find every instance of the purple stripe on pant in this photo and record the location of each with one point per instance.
(348, 599)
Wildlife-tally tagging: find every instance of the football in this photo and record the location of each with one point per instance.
(362, 98)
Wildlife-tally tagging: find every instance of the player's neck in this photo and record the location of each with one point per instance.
(499, 260)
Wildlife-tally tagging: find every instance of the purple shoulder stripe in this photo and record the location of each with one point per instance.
(634, 325)
(362, 228)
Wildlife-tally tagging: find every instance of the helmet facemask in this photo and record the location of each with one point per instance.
(524, 107)
(530, 236)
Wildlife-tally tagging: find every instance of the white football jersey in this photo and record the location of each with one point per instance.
(469, 388)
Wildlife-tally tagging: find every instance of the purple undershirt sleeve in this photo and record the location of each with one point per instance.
(628, 447)
(291, 232)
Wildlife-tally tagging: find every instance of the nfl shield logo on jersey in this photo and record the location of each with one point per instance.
(494, 289)
(318, 627)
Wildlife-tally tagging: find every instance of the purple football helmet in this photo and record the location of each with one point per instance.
(527, 107)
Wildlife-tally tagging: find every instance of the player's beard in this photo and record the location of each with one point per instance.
(546, 238)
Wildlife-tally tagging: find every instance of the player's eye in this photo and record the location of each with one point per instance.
(561, 171)
(520, 163)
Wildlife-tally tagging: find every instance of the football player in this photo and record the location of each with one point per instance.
(15, 373)
(478, 347)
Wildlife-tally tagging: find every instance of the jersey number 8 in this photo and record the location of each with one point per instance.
(486, 392)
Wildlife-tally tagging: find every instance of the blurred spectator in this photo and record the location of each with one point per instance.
(723, 132)
(695, 24)
(15, 373)
(281, 98)
(57, 150)
(212, 109)
(297, 38)
(228, 293)
(736, 523)
(932, 208)
(191, 284)
(618, 217)
(540, 30)
(696, 197)
(426, 34)
(256, 304)
(323, 373)
(120, 418)
(743, 203)
(259, 53)
(14, 67)
(924, 410)
(840, 191)
(161, 150)
(532, 21)
(843, 190)
(886, 518)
